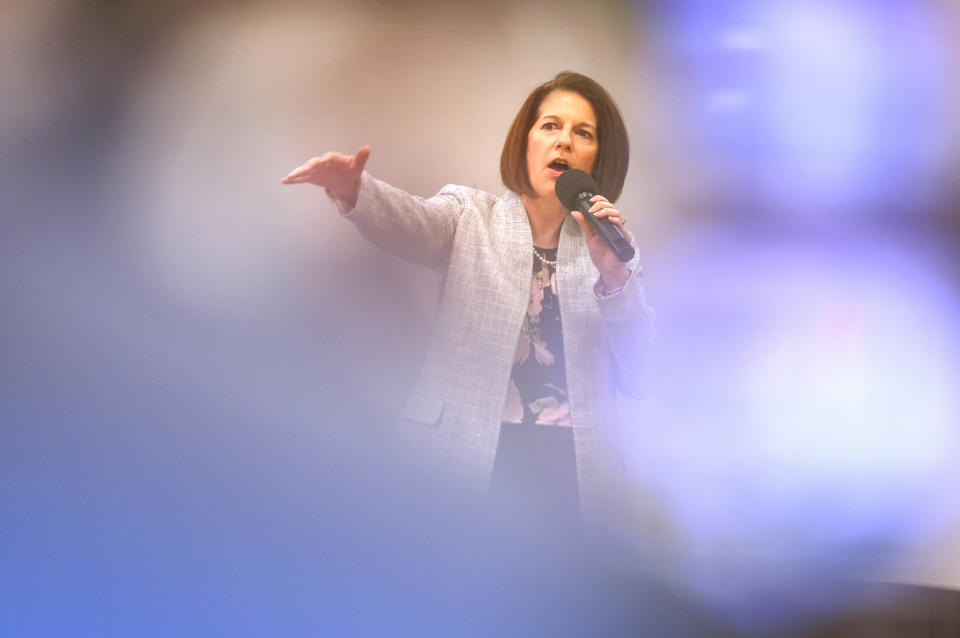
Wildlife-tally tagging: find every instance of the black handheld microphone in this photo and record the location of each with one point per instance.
(575, 188)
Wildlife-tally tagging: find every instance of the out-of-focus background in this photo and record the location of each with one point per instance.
(198, 365)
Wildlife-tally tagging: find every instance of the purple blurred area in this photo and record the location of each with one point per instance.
(200, 367)
(806, 283)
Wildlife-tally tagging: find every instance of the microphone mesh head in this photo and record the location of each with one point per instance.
(571, 183)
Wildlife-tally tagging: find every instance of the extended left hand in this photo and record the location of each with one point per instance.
(613, 272)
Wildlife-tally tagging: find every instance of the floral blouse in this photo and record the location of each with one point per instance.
(538, 384)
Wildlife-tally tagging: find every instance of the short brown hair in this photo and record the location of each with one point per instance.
(613, 154)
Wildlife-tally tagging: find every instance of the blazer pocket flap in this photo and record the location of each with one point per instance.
(423, 408)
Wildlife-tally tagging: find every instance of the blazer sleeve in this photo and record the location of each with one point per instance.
(631, 334)
(412, 228)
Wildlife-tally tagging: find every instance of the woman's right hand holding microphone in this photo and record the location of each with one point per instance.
(338, 173)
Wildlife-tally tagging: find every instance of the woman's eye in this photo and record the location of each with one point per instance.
(549, 126)
(585, 134)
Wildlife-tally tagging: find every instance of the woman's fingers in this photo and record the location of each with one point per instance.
(313, 167)
(611, 269)
(297, 176)
(330, 169)
(603, 208)
(294, 176)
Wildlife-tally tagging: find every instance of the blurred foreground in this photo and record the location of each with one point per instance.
(199, 366)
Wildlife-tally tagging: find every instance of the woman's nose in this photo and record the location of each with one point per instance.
(563, 140)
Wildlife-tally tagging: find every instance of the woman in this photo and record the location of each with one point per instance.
(520, 380)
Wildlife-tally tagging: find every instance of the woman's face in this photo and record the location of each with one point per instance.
(563, 136)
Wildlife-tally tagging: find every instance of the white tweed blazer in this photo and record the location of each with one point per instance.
(481, 245)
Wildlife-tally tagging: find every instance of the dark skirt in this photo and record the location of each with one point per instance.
(535, 470)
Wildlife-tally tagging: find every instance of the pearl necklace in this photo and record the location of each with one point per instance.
(543, 259)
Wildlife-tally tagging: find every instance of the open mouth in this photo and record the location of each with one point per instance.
(558, 165)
